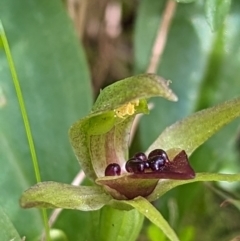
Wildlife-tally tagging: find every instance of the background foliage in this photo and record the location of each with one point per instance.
(54, 69)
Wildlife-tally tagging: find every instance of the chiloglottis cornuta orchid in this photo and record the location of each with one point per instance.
(101, 141)
(106, 133)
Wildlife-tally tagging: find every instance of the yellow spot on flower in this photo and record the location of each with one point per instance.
(127, 109)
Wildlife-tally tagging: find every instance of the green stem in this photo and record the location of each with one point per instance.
(24, 116)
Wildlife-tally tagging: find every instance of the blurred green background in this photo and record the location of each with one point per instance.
(65, 51)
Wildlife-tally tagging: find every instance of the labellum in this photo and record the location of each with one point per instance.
(141, 179)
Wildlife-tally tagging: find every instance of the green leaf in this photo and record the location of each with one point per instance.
(189, 133)
(55, 82)
(118, 225)
(150, 212)
(216, 12)
(102, 137)
(8, 231)
(60, 195)
(166, 185)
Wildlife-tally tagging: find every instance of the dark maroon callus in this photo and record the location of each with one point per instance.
(158, 152)
(113, 169)
(156, 163)
(146, 164)
(143, 157)
(135, 165)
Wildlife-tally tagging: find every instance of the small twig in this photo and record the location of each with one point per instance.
(82, 17)
(71, 8)
(162, 33)
(77, 11)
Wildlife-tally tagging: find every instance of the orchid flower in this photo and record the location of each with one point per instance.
(100, 142)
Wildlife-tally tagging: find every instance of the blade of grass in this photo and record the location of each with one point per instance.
(24, 116)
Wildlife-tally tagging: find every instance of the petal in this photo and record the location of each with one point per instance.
(191, 132)
(60, 195)
(150, 212)
(166, 185)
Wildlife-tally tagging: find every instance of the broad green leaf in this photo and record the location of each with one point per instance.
(55, 83)
(216, 12)
(166, 185)
(60, 195)
(119, 225)
(150, 212)
(102, 137)
(8, 231)
(189, 133)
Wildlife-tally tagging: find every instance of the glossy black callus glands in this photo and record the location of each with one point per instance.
(156, 163)
(140, 163)
(113, 169)
(157, 159)
(135, 165)
(158, 152)
(143, 157)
